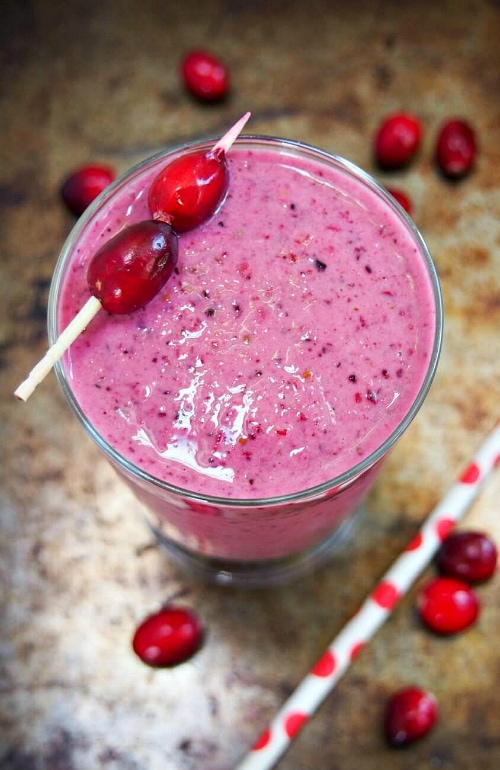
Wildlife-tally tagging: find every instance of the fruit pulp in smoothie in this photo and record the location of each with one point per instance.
(290, 343)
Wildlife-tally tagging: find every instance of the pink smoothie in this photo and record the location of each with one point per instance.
(290, 343)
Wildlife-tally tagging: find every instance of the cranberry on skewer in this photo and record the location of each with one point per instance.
(131, 268)
(191, 188)
(125, 274)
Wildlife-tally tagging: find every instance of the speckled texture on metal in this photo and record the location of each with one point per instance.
(97, 80)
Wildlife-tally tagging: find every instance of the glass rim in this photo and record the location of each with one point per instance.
(319, 490)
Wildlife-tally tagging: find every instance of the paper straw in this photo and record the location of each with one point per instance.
(337, 658)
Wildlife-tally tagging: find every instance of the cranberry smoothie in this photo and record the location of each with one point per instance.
(291, 342)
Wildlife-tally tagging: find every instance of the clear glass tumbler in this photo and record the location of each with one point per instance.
(249, 541)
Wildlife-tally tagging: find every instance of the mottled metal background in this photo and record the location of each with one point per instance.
(96, 80)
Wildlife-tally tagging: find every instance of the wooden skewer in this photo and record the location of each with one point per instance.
(54, 353)
(229, 137)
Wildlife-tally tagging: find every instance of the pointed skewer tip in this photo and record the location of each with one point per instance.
(229, 137)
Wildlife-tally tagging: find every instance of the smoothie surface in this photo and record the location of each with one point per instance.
(289, 344)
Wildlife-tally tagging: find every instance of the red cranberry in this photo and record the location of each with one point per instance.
(205, 76)
(84, 185)
(397, 140)
(402, 198)
(447, 605)
(189, 189)
(168, 637)
(456, 148)
(410, 714)
(131, 268)
(469, 556)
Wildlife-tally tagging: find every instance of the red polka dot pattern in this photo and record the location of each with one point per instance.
(385, 595)
(443, 527)
(294, 722)
(325, 665)
(471, 474)
(263, 741)
(356, 649)
(415, 543)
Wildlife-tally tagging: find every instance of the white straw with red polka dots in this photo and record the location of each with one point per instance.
(327, 671)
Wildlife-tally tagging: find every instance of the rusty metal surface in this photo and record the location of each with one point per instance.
(98, 80)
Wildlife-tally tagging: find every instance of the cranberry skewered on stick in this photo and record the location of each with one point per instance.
(125, 274)
(131, 268)
(190, 188)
